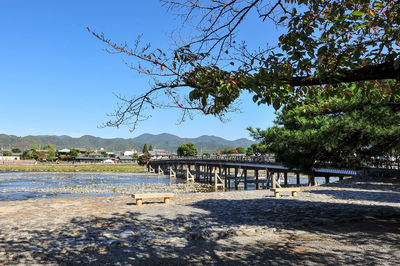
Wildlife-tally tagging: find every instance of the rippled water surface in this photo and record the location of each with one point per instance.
(26, 185)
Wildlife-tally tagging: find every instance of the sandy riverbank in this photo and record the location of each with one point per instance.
(351, 222)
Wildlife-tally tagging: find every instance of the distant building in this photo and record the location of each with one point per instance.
(91, 158)
(19, 154)
(82, 150)
(9, 158)
(158, 153)
(2, 148)
(130, 152)
(111, 154)
(40, 150)
(125, 159)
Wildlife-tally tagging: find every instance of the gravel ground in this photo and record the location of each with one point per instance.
(351, 222)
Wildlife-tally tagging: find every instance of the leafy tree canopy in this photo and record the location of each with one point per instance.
(227, 151)
(344, 130)
(256, 148)
(144, 158)
(89, 152)
(187, 149)
(324, 43)
(16, 150)
(51, 154)
(48, 147)
(29, 155)
(241, 150)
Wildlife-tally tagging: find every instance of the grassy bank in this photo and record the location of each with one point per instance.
(75, 168)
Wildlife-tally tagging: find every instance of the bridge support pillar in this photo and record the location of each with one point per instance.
(256, 174)
(245, 178)
(311, 180)
(226, 176)
(236, 176)
(196, 172)
(268, 176)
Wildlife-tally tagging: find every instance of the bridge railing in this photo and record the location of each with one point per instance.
(383, 162)
(219, 158)
(272, 164)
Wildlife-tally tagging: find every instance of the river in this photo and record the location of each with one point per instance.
(33, 185)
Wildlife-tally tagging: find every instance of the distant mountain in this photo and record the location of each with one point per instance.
(245, 143)
(203, 143)
(87, 141)
(163, 141)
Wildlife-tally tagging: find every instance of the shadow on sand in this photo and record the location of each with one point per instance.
(131, 238)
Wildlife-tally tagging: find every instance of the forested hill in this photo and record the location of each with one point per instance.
(163, 141)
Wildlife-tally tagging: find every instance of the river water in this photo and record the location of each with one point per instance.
(32, 185)
(27, 185)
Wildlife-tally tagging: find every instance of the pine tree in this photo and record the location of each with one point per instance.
(344, 131)
(145, 150)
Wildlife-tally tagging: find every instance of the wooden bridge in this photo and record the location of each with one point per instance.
(224, 173)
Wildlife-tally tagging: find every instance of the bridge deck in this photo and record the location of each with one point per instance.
(218, 172)
(260, 166)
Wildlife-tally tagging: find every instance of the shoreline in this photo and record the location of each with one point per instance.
(350, 222)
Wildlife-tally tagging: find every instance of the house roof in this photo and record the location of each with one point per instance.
(90, 158)
(158, 152)
(125, 157)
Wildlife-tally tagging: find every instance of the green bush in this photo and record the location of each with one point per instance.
(144, 158)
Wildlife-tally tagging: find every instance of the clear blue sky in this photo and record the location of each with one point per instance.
(55, 79)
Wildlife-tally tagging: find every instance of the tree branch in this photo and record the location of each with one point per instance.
(372, 72)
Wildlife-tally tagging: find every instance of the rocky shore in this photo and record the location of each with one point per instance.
(350, 222)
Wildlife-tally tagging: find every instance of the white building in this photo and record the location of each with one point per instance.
(130, 152)
(9, 158)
